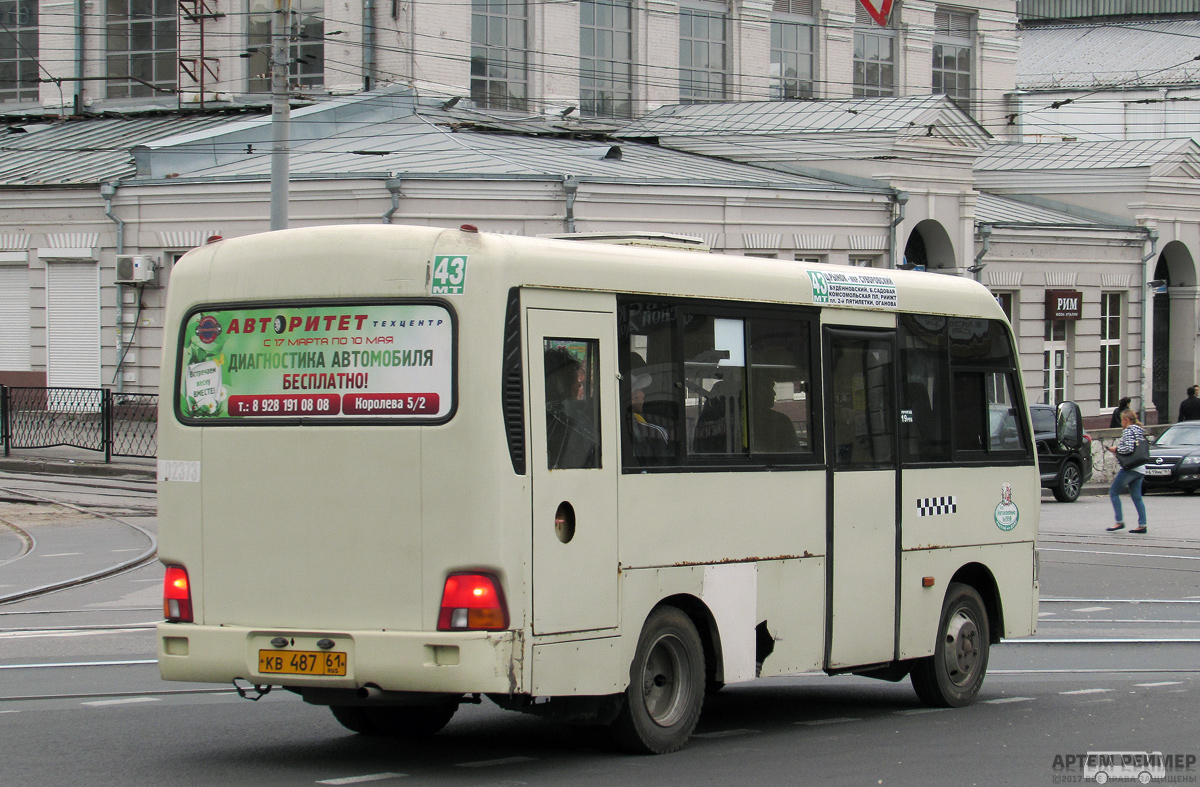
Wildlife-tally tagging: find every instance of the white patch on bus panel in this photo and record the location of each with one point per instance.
(731, 592)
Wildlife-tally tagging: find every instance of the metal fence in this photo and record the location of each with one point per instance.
(95, 419)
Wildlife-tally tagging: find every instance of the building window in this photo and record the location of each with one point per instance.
(1110, 349)
(141, 43)
(1005, 299)
(864, 262)
(874, 57)
(18, 50)
(952, 54)
(1054, 363)
(306, 48)
(792, 58)
(499, 69)
(702, 69)
(606, 58)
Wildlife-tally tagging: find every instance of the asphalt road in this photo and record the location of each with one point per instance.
(1115, 667)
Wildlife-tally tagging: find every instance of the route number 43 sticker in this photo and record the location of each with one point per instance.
(449, 274)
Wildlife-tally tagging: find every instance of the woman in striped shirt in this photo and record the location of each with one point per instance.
(1130, 477)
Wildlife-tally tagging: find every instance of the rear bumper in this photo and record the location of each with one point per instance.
(445, 662)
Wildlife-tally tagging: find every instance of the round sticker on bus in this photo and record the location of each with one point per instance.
(1007, 513)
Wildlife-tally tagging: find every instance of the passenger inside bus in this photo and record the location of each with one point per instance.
(651, 440)
(771, 431)
(571, 417)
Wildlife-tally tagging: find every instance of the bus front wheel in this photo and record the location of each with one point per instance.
(666, 686)
(951, 677)
(402, 721)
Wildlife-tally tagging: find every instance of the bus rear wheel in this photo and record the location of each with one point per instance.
(952, 676)
(396, 721)
(666, 686)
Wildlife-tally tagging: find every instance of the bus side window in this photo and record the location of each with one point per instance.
(649, 391)
(925, 389)
(970, 429)
(572, 403)
(716, 384)
(779, 387)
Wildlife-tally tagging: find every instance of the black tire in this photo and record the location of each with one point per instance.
(666, 686)
(354, 718)
(952, 676)
(1070, 483)
(396, 721)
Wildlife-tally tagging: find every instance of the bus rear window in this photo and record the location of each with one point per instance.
(334, 362)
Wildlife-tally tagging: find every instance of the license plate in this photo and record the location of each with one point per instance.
(1158, 471)
(302, 662)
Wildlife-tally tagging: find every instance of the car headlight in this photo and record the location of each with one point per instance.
(1190, 461)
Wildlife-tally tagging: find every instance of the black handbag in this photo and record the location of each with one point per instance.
(1136, 458)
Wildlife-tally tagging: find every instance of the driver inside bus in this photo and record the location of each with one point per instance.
(570, 440)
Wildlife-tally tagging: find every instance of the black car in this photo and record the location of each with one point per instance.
(1175, 459)
(1064, 449)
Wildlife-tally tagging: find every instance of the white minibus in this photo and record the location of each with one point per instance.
(403, 468)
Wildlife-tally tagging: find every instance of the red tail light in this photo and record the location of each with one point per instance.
(472, 602)
(177, 595)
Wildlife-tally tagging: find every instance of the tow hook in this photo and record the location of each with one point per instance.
(260, 691)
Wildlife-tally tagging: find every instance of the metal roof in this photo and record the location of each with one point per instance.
(904, 116)
(431, 145)
(1124, 154)
(1125, 54)
(995, 209)
(83, 151)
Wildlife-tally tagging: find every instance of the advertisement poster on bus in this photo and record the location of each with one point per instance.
(328, 362)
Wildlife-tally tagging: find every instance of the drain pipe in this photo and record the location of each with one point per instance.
(368, 44)
(1147, 318)
(901, 199)
(77, 103)
(108, 191)
(393, 186)
(571, 187)
(985, 234)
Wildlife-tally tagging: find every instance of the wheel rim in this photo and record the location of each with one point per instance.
(961, 649)
(1070, 482)
(664, 687)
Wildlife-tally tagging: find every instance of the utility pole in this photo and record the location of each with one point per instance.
(280, 113)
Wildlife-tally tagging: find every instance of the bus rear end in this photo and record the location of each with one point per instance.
(315, 518)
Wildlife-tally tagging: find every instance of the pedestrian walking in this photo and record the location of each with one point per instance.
(1189, 408)
(1122, 406)
(1132, 452)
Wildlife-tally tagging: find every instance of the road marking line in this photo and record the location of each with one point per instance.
(1123, 554)
(136, 549)
(488, 763)
(129, 701)
(724, 733)
(1086, 691)
(1160, 683)
(1004, 700)
(816, 722)
(1091, 609)
(56, 634)
(62, 554)
(374, 777)
(80, 664)
(1047, 614)
(918, 711)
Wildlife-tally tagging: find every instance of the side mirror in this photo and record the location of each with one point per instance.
(1069, 427)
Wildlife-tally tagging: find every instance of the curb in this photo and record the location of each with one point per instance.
(70, 467)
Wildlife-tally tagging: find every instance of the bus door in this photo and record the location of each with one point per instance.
(573, 385)
(861, 519)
